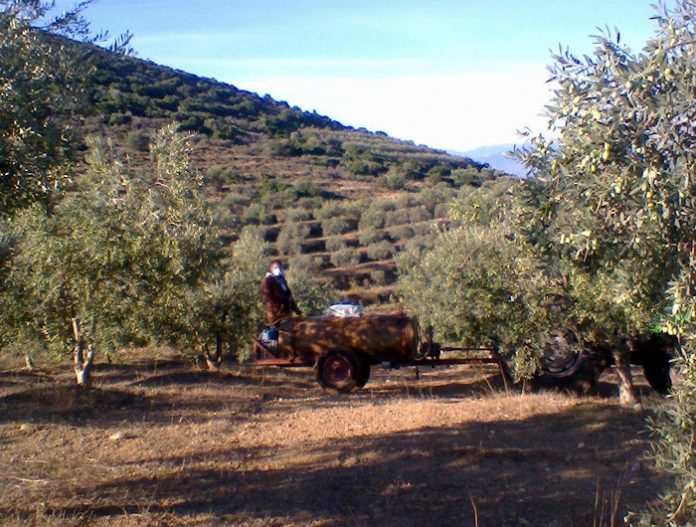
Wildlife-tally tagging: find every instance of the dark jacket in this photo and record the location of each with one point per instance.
(279, 301)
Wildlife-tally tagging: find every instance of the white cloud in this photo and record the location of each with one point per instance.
(448, 111)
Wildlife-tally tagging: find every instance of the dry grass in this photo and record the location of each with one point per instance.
(160, 444)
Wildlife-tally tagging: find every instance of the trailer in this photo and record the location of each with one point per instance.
(343, 349)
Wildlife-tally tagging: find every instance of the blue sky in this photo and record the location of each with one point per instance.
(453, 74)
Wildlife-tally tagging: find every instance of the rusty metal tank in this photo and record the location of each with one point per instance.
(377, 336)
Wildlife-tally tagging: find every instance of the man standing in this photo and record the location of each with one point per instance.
(279, 301)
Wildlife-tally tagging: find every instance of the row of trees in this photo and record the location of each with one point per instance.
(96, 256)
(600, 238)
(127, 259)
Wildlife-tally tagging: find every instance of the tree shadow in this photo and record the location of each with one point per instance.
(158, 393)
(442, 382)
(59, 402)
(608, 387)
(543, 470)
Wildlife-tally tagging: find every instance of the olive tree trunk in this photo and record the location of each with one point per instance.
(83, 362)
(28, 362)
(213, 359)
(622, 361)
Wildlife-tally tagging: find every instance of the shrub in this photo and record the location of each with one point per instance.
(313, 296)
(432, 197)
(291, 236)
(395, 180)
(405, 201)
(296, 214)
(189, 122)
(369, 236)
(412, 250)
(296, 230)
(219, 175)
(335, 226)
(120, 118)
(224, 217)
(304, 263)
(269, 219)
(396, 217)
(423, 229)
(273, 186)
(335, 244)
(363, 167)
(138, 141)
(383, 205)
(289, 246)
(466, 177)
(330, 209)
(440, 211)
(284, 147)
(226, 132)
(345, 257)
(419, 214)
(412, 170)
(372, 219)
(380, 250)
(253, 231)
(354, 209)
(233, 199)
(305, 188)
(401, 232)
(437, 174)
(312, 204)
(378, 276)
(253, 214)
(281, 199)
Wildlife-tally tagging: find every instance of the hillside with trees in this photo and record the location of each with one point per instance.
(329, 199)
(139, 208)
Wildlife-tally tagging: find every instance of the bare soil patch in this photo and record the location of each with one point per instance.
(161, 444)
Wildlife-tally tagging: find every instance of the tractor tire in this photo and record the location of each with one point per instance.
(659, 377)
(338, 370)
(571, 367)
(655, 355)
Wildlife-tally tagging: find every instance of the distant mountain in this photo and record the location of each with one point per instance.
(497, 157)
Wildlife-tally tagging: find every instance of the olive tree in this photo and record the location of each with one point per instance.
(479, 285)
(115, 261)
(225, 312)
(616, 198)
(43, 76)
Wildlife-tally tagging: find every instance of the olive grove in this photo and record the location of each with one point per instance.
(95, 255)
(480, 285)
(619, 201)
(600, 237)
(121, 260)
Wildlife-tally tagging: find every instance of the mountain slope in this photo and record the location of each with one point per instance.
(497, 157)
(331, 199)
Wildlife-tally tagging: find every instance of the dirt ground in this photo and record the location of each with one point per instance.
(156, 443)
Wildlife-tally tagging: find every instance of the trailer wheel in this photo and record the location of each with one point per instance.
(338, 370)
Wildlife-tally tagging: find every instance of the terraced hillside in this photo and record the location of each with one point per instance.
(337, 201)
